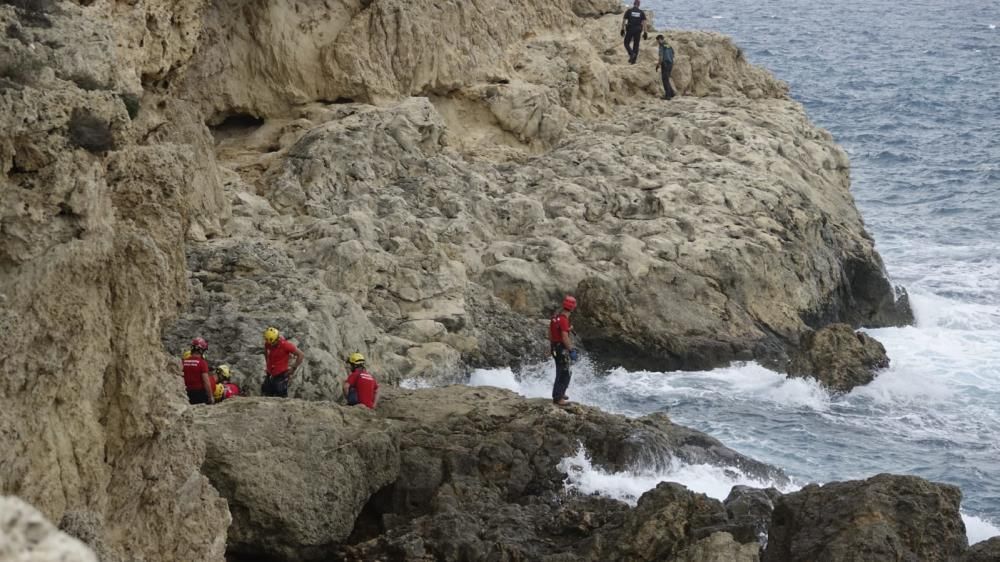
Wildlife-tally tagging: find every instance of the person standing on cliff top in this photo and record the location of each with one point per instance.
(199, 384)
(633, 24)
(665, 65)
(562, 350)
(276, 352)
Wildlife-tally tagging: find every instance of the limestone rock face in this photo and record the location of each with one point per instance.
(94, 207)
(838, 357)
(720, 547)
(886, 517)
(26, 536)
(296, 474)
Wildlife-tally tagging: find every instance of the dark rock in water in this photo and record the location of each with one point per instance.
(667, 519)
(887, 517)
(748, 511)
(986, 551)
(838, 357)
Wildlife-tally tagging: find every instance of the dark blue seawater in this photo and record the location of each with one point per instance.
(912, 91)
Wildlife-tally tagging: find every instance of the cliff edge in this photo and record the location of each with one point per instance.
(414, 179)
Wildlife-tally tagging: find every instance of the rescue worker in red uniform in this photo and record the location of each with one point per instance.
(277, 350)
(199, 384)
(225, 388)
(360, 386)
(562, 348)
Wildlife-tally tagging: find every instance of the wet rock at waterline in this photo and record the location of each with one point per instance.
(986, 551)
(886, 517)
(838, 357)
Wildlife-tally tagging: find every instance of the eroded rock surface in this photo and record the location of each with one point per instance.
(296, 474)
(838, 357)
(886, 517)
(26, 536)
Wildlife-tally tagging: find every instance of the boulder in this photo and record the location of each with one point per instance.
(296, 474)
(838, 357)
(665, 522)
(749, 512)
(720, 547)
(886, 517)
(985, 551)
(27, 536)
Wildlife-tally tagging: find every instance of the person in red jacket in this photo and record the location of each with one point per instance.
(199, 384)
(360, 386)
(561, 345)
(225, 388)
(277, 350)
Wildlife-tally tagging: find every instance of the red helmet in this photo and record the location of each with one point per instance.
(569, 303)
(199, 343)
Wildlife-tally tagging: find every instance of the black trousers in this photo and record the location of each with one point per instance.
(197, 397)
(276, 385)
(665, 70)
(563, 375)
(632, 37)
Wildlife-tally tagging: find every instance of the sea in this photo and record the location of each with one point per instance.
(912, 91)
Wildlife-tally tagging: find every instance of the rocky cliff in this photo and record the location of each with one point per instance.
(418, 180)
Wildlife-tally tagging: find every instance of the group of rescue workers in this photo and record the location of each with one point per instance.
(205, 386)
(634, 26)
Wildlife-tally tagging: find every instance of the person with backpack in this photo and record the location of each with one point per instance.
(360, 386)
(665, 65)
(633, 24)
(225, 388)
(277, 374)
(198, 383)
(561, 345)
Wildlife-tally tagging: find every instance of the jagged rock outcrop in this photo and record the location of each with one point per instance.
(296, 474)
(26, 536)
(886, 517)
(838, 357)
(523, 186)
(481, 476)
(748, 511)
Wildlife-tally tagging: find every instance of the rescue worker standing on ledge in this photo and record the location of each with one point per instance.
(562, 349)
(200, 386)
(276, 352)
(633, 23)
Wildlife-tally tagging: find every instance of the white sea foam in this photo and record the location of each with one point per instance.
(978, 529)
(713, 481)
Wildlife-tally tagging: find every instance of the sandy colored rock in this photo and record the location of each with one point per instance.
(838, 357)
(26, 536)
(886, 517)
(720, 547)
(296, 474)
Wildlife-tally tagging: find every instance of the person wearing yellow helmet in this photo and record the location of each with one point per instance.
(277, 374)
(225, 388)
(360, 386)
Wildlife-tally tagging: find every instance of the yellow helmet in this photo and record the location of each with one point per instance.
(186, 354)
(356, 358)
(271, 335)
(223, 371)
(219, 391)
